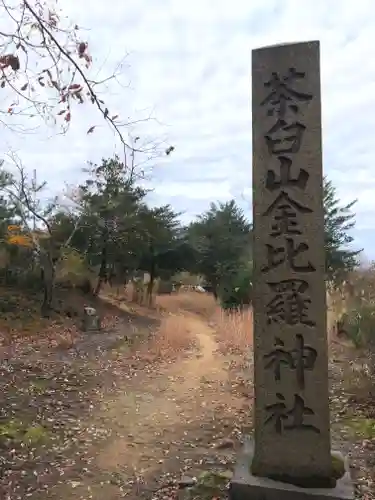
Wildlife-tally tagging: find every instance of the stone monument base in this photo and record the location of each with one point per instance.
(245, 486)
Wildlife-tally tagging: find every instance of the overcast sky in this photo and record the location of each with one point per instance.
(189, 63)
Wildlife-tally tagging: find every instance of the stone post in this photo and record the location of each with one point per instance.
(292, 423)
(290, 333)
(91, 320)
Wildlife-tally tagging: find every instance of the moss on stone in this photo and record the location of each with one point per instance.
(338, 470)
(210, 484)
(338, 467)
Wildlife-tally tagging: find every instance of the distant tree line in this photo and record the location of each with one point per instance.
(104, 230)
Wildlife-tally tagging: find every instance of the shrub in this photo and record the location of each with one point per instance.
(72, 271)
(359, 325)
(27, 277)
(236, 291)
(235, 330)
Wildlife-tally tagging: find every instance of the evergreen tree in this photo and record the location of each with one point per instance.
(338, 221)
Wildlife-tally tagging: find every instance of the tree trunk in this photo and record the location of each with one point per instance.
(103, 268)
(215, 289)
(134, 296)
(48, 278)
(150, 285)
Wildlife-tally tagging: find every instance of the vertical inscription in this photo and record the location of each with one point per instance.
(288, 420)
(289, 310)
(285, 213)
(284, 139)
(290, 303)
(301, 358)
(281, 95)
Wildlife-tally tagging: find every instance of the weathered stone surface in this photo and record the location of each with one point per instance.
(292, 428)
(91, 320)
(245, 486)
(187, 482)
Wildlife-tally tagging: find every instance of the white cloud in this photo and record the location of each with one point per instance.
(195, 190)
(191, 64)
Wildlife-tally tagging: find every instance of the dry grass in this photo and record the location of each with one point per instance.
(358, 372)
(199, 303)
(128, 294)
(118, 292)
(235, 331)
(172, 338)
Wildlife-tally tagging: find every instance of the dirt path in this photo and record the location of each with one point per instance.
(178, 419)
(117, 423)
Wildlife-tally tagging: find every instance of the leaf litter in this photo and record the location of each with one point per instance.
(108, 418)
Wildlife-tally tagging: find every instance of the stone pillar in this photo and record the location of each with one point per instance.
(290, 457)
(292, 426)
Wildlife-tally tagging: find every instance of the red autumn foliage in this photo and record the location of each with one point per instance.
(41, 49)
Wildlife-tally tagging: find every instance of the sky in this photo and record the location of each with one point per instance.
(188, 65)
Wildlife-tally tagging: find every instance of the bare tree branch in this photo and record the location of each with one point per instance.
(40, 35)
(45, 65)
(94, 99)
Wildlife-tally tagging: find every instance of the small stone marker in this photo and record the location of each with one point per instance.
(91, 320)
(292, 424)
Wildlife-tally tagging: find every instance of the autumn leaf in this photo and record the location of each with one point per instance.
(40, 80)
(3, 84)
(21, 240)
(91, 129)
(114, 117)
(81, 48)
(61, 112)
(106, 112)
(24, 87)
(74, 86)
(10, 60)
(67, 117)
(10, 110)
